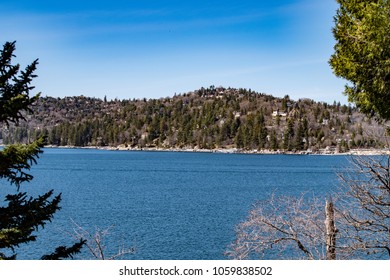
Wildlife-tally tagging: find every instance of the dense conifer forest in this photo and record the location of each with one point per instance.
(208, 118)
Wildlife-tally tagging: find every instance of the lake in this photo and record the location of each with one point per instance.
(167, 205)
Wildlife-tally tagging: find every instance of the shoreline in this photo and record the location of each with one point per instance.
(327, 151)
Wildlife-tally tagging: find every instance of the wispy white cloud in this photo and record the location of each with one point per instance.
(108, 51)
(92, 22)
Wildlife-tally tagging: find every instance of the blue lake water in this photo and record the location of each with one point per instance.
(167, 205)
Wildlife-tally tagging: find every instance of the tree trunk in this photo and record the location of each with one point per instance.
(330, 232)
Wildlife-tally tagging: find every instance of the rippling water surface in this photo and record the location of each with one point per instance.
(166, 205)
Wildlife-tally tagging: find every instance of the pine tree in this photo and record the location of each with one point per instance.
(362, 53)
(263, 132)
(22, 215)
(273, 141)
(288, 135)
(299, 134)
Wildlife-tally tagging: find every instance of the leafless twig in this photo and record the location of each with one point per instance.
(282, 227)
(96, 242)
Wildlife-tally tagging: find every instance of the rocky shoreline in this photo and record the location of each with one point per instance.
(326, 151)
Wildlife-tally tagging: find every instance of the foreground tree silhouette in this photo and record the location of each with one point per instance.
(22, 215)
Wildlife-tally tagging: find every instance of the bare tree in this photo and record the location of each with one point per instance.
(298, 228)
(282, 227)
(331, 231)
(95, 242)
(364, 207)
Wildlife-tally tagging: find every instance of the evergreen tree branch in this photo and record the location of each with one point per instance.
(16, 159)
(64, 252)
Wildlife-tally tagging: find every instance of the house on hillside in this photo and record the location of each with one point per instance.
(279, 113)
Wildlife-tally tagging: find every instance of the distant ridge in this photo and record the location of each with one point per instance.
(208, 118)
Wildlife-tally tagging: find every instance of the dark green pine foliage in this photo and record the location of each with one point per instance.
(362, 52)
(21, 215)
(202, 119)
(299, 134)
(262, 130)
(288, 135)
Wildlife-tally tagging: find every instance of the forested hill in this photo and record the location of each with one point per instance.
(209, 118)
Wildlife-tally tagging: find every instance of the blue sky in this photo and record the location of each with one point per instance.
(155, 48)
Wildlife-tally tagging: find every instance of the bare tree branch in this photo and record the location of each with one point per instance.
(294, 225)
(288, 227)
(364, 207)
(96, 242)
